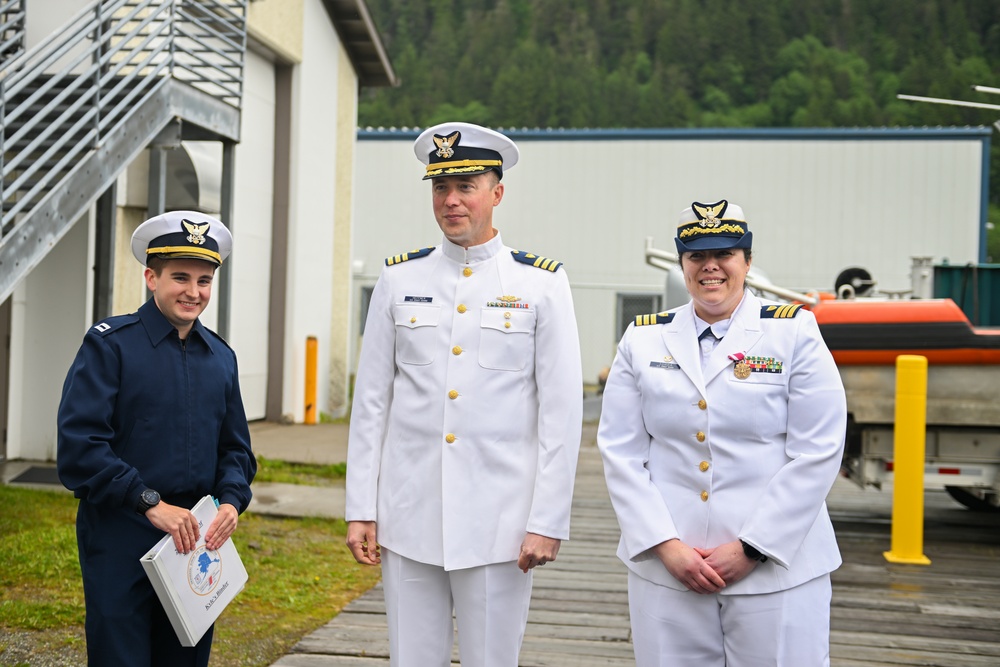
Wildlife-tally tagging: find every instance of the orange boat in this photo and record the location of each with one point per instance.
(867, 334)
(875, 332)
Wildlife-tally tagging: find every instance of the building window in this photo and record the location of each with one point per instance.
(366, 300)
(631, 304)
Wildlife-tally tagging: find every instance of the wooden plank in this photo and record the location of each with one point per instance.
(882, 615)
(988, 649)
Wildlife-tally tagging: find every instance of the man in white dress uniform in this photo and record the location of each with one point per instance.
(722, 432)
(465, 427)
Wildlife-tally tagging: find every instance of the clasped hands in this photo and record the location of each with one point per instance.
(705, 570)
(183, 526)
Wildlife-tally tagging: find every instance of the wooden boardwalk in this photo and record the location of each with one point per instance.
(884, 615)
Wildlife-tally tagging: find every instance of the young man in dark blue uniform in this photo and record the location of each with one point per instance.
(151, 420)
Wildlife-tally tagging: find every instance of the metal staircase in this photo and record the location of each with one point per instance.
(11, 29)
(76, 109)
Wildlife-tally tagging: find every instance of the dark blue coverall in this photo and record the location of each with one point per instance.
(142, 408)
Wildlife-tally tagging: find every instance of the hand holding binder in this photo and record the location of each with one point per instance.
(195, 587)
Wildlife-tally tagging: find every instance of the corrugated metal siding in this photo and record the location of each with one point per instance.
(817, 202)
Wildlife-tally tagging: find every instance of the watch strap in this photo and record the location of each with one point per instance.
(753, 553)
(142, 505)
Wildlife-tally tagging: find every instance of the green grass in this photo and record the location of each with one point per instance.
(284, 472)
(301, 576)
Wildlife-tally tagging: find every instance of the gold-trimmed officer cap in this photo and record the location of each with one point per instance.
(712, 227)
(182, 235)
(464, 149)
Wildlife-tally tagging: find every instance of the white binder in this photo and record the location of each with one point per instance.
(194, 588)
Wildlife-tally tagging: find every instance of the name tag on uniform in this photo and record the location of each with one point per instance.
(668, 365)
(419, 299)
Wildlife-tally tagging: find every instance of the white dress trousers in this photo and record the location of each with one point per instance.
(789, 628)
(491, 610)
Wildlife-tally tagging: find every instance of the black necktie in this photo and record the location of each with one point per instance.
(707, 334)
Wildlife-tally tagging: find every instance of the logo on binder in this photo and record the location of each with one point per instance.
(204, 570)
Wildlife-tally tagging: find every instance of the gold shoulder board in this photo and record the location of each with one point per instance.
(779, 312)
(536, 260)
(413, 254)
(655, 318)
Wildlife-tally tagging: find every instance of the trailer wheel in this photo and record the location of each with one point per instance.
(977, 500)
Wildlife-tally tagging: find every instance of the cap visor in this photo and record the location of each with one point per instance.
(715, 243)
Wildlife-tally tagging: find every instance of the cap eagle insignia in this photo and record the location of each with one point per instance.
(709, 214)
(196, 232)
(446, 144)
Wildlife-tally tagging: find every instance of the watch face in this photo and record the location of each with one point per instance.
(150, 497)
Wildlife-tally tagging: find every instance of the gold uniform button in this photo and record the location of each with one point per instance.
(453, 394)
(704, 466)
(700, 435)
(412, 320)
(702, 405)
(450, 438)
(704, 496)
(506, 315)
(506, 325)
(466, 272)
(457, 350)
(462, 308)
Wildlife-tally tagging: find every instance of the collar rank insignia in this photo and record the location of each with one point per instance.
(536, 260)
(446, 144)
(406, 256)
(779, 312)
(196, 232)
(656, 318)
(709, 215)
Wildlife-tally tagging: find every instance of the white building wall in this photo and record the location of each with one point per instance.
(44, 18)
(51, 309)
(341, 293)
(817, 204)
(50, 314)
(252, 217)
(311, 214)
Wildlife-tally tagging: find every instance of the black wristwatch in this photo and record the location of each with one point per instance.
(148, 498)
(752, 553)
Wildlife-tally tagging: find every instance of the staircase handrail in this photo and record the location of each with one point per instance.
(66, 95)
(11, 30)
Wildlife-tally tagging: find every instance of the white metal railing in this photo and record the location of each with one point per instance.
(11, 29)
(63, 97)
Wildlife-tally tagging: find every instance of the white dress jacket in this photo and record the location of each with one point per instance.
(708, 457)
(465, 426)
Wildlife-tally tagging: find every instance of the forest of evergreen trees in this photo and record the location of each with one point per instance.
(688, 63)
(685, 63)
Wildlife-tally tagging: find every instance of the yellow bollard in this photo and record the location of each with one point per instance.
(909, 444)
(312, 346)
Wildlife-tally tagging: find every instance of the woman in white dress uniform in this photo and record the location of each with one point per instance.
(722, 432)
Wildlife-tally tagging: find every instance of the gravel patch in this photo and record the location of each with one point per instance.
(45, 648)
